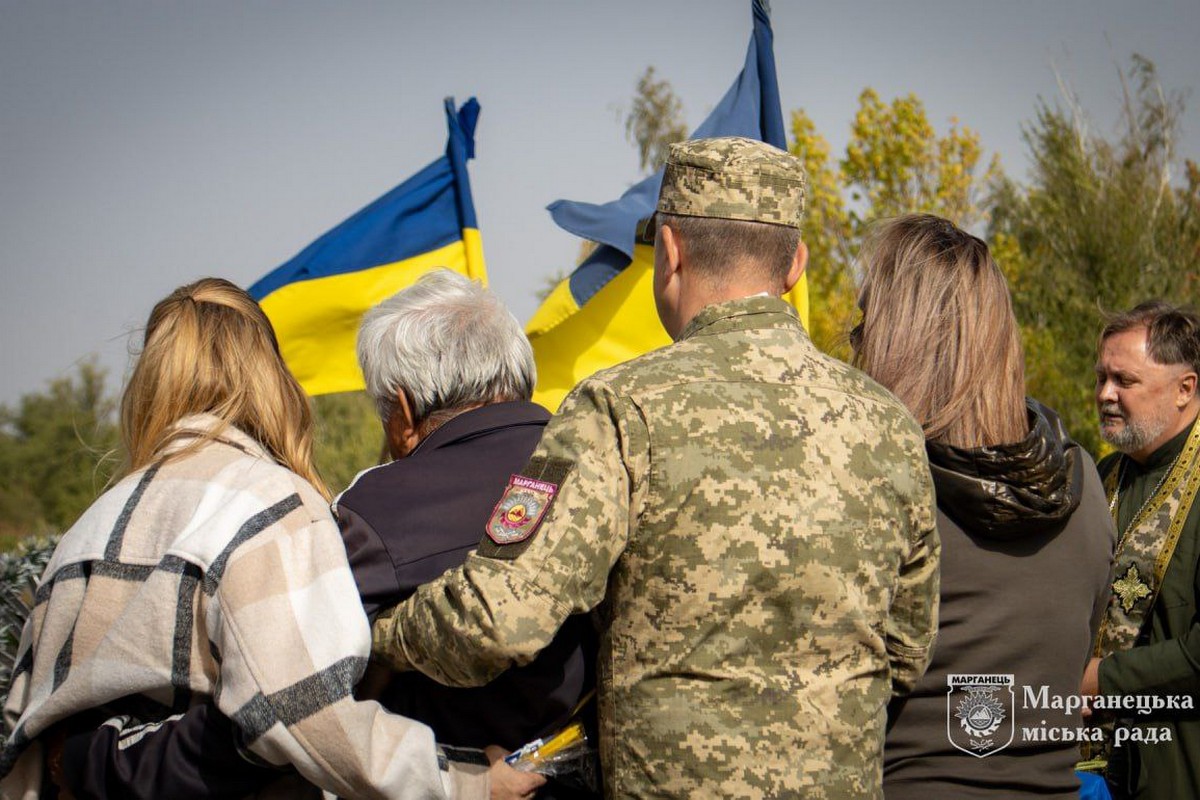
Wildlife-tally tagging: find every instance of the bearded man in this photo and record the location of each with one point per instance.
(1148, 649)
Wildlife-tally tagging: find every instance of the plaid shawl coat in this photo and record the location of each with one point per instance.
(217, 574)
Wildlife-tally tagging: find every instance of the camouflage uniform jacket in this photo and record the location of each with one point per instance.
(754, 524)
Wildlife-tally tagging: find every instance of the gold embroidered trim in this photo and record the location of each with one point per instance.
(1184, 466)
(1185, 506)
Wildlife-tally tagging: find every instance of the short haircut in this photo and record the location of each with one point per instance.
(1172, 332)
(448, 343)
(717, 248)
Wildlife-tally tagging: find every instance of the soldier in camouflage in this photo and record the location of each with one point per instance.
(751, 521)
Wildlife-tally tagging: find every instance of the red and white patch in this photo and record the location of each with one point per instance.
(520, 510)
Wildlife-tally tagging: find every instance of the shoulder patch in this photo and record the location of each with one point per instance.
(523, 506)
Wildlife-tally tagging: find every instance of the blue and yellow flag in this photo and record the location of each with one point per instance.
(604, 312)
(316, 300)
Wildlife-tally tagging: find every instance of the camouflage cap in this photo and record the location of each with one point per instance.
(733, 178)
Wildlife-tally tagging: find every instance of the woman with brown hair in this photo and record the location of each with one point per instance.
(212, 571)
(1026, 536)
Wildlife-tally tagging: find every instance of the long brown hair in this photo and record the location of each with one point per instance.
(209, 348)
(938, 331)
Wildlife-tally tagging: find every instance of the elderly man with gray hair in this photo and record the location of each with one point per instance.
(451, 374)
(437, 349)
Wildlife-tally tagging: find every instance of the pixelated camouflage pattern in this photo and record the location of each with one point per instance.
(753, 525)
(733, 178)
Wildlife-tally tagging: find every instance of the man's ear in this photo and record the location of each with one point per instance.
(799, 262)
(669, 241)
(402, 433)
(1187, 389)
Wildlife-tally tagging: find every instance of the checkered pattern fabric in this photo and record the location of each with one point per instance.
(218, 574)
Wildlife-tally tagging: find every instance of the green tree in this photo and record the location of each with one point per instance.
(832, 245)
(57, 453)
(894, 163)
(655, 120)
(59, 450)
(349, 437)
(1103, 224)
(20, 570)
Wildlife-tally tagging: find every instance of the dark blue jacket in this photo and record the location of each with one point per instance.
(407, 522)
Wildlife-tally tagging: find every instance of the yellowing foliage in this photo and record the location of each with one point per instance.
(895, 163)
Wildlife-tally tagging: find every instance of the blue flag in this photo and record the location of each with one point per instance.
(603, 313)
(316, 300)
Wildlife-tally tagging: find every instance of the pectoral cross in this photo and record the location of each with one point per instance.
(1130, 588)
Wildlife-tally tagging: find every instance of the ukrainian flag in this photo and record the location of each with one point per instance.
(604, 312)
(316, 300)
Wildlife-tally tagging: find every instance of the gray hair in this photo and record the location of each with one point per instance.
(1172, 332)
(448, 343)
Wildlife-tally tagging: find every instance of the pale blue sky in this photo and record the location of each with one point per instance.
(143, 145)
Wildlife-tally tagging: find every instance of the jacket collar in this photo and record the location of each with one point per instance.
(1011, 490)
(194, 426)
(481, 420)
(758, 311)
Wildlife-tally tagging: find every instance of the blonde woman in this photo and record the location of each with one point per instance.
(1026, 535)
(213, 570)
